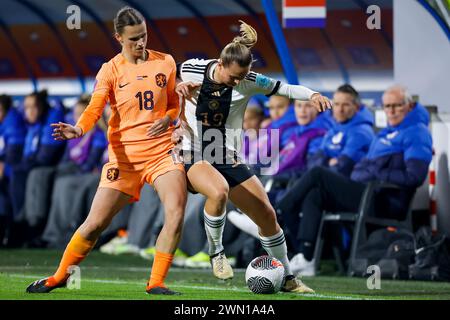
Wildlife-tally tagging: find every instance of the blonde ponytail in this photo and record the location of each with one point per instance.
(248, 36)
(238, 50)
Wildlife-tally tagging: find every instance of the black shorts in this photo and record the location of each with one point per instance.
(234, 171)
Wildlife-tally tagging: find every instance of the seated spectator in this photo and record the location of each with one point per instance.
(12, 133)
(76, 180)
(350, 137)
(253, 118)
(12, 138)
(282, 118)
(303, 140)
(416, 107)
(278, 106)
(85, 152)
(40, 149)
(345, 143)
(400, 155)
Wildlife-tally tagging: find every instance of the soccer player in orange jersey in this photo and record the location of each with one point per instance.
(140, 87)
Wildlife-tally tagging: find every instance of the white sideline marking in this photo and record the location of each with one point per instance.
(130, 269)
(314, 295)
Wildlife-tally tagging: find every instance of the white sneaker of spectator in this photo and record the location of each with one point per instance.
(109, 247)
(118, 246)
(126, 248)
(302, 267)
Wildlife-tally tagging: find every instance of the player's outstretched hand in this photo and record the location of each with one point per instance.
(159, 126)
(186, 89)
(65, 131)
(320, 102)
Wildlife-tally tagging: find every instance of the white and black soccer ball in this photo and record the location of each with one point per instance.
(264, 275)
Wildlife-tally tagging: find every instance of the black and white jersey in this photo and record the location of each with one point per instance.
(218, 106)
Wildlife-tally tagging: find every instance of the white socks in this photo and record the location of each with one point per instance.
(214, 229)
(275, 246)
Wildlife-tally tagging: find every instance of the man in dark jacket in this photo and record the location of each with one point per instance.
(400, 154)
(349, 138)
(344, 144)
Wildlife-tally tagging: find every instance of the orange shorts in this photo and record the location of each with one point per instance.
(130, 178)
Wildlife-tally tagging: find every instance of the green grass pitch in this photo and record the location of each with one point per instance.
(106, 277)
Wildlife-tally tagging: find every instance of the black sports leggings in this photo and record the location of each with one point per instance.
(302, 206)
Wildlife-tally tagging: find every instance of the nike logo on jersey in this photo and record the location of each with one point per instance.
(123, 85)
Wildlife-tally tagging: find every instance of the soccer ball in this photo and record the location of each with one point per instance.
(265, 275)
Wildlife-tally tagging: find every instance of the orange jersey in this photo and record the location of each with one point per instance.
(139, 94)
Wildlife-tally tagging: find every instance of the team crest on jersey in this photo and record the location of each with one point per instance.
(213, 104)
(161, 80)
(112, 174)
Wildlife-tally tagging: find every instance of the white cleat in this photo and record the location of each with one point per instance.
(221, 266)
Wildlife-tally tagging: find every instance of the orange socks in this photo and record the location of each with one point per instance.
(161, 265)
(77, 249)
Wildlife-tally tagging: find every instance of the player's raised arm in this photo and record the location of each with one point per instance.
(88, 119)
(261, 84)
(297, 92)
(100, 96)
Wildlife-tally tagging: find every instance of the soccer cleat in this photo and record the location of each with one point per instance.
(162, 291)
(294, 285)
(199, 260)
(43, 286)
(221, 266)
